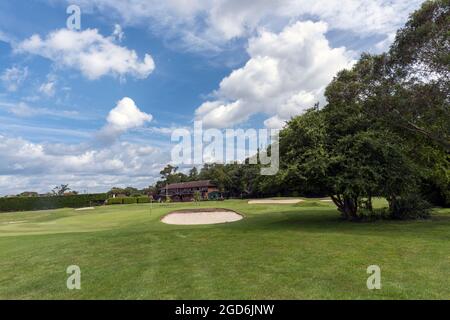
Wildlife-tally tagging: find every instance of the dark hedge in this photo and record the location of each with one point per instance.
(51, 202)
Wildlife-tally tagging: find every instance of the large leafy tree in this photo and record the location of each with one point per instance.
(409, 86)
(303, 155)
(218, 174)
(338, 151)
(170, 175)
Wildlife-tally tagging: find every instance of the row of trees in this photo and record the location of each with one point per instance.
(61, 190)
(383, 132)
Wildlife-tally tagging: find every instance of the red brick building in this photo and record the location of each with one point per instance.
(185, 191)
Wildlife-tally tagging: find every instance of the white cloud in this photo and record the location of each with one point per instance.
(90, 52)
(22, 109)
(118, 33)
(125, 116)
(165, 131)
(4, 37)
(48, 88)
(286, 74)
(13, 77)
(88, 165)
(208, 25)
(40, 166)
(384, 44)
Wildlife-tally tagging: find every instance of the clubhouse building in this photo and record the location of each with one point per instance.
(185, 191)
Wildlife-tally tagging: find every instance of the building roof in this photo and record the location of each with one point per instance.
(192, 184)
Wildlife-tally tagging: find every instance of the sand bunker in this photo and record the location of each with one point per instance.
(270, 201)
(15, 222)
(84, 209)
(201, 216)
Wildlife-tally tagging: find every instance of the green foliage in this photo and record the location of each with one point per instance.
(128, 191)
(410, 206)
(129, 200)
(170, 175)
(214, 196)
(61, 190)
(303, 156)
(112, 201)
(143, 200)
(197, 196)
(409, 87)
(193, 174)
(50, 202)
(28, 194)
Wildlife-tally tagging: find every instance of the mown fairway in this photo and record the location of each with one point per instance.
(277, 252)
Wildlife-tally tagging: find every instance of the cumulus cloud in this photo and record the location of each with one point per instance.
(29, 157)
(90, 52)
(13, 77)
(205, 24)
(286, 74)
(125, 116)
(86, 165)
(40, 166)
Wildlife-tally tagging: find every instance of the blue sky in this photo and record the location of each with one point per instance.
(138, 69)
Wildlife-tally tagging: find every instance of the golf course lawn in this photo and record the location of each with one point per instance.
(296, 251)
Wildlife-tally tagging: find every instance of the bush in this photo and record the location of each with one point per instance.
(112, 201)
(409, 207)
(51, 202)
(435, 194)
(214, 195)
(143, 200)
(129, 200)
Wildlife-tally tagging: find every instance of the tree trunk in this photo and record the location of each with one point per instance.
(347, 205)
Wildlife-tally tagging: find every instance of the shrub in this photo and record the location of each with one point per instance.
(435, 194)
(51, 202)
(214, 195)
(143, 200)
(112, 201)
(129, 200)
(197, 196)
(410, 206)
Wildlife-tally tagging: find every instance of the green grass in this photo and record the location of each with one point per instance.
(298, 251)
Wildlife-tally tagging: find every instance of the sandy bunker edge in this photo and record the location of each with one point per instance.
(204, 216)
